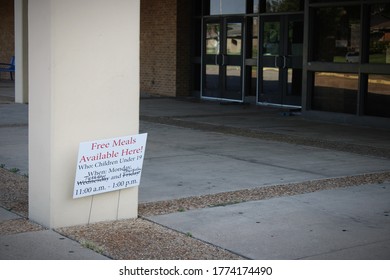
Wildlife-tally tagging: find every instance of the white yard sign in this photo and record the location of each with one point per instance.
(109, 165)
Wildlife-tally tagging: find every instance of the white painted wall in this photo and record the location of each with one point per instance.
(84, 85)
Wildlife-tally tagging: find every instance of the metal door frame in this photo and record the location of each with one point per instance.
(283, 54)
(221, 57)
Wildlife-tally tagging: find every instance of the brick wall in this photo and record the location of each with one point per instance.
(164, 54)
(158, 51)
(7, 48)
(165, 44)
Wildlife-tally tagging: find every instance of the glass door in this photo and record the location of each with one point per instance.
(223, 59)
(280, 73)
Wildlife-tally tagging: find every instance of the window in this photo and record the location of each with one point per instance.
(337, 34)
(212, 38)
(335, 92)
(279, 6)
(252, 6)
(234, 38)
(252, 35)
(256, 6)
(378, 96)
(380, 34)
(223, 7)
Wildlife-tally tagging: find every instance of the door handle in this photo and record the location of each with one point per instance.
(223, 60)
(284, 61)
(216, 59)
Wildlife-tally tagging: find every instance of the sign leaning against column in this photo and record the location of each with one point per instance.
(109, 165)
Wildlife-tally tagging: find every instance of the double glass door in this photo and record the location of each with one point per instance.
(223, 59)
(280, 72)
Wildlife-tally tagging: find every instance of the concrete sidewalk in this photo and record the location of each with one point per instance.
(337, 224)
(40, 244)
(206, 148)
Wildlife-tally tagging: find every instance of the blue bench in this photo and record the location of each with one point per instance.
(8, 67)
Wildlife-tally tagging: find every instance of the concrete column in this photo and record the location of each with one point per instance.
(84, 86)
(21, 51)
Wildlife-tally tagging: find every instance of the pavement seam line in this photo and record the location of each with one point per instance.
(270, 136)
(257, 193)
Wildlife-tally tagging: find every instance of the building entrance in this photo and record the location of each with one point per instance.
(280, 71)
(222, 66)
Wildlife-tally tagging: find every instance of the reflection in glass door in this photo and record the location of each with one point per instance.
(280, 75)
(223, 59)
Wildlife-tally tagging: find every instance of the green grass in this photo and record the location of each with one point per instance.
(92, 246)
